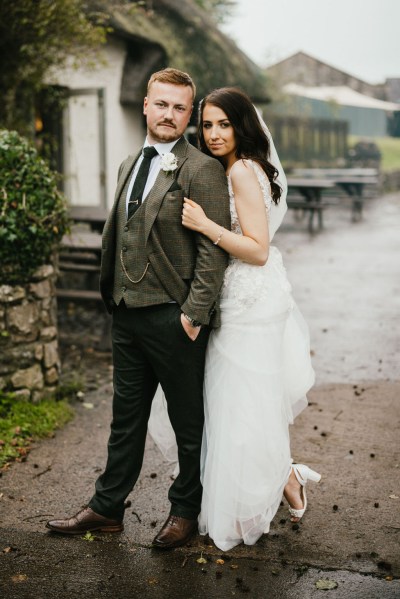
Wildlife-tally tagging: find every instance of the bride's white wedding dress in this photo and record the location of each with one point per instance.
(258, 370)
(257, 373)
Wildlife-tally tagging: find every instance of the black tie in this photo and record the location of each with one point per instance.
(140, 182)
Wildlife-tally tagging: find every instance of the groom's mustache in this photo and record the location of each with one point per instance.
(169, 123)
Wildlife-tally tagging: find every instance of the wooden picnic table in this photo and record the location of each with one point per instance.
(354, 187)
(351, 180)
(310, 190)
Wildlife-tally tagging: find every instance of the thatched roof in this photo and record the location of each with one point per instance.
(178, 33)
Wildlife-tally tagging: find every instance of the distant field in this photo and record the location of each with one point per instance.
(389, 147)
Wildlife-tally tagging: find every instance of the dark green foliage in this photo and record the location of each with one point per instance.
(33, 213)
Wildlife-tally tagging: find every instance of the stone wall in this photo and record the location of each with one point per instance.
(29, 359)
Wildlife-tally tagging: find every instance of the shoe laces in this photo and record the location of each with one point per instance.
(173, 520)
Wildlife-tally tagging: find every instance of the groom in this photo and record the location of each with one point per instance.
(161, 283)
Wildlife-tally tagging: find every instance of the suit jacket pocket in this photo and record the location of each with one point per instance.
(169, 277)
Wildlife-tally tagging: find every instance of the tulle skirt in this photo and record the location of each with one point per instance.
(258, 371)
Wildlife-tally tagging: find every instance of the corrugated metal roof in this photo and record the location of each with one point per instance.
(342, 95)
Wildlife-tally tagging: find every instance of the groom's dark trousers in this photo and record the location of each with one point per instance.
(150, 345)
(152, 270)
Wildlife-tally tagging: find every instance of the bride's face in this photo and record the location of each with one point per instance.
(218, 133)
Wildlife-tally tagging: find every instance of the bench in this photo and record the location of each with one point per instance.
(305, 195)
(302, 206)
(352, 181)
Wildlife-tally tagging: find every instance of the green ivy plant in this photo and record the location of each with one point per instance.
(33, 212)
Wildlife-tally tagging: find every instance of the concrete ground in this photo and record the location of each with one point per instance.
(346, 282)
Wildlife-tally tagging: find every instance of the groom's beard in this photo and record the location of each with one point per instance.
(163, 132)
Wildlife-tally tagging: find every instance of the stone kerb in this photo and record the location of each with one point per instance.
(29, 358)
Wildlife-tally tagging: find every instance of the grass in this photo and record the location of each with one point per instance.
(390, 150)
(22, 422)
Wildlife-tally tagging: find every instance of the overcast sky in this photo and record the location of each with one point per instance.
(361, 37)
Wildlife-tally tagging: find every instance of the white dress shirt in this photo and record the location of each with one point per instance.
(154, 168)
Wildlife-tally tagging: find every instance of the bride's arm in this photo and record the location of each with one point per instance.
(253, 245)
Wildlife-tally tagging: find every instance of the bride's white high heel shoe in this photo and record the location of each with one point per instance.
(303, 474)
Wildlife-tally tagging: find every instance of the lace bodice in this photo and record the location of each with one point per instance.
(246, 283)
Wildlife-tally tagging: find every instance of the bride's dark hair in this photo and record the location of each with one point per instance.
(251, 140)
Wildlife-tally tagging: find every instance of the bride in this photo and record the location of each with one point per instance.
(258, 366)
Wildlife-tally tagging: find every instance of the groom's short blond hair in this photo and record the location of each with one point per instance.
(173, 76)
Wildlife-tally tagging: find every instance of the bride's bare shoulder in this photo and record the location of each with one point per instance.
(242, 170)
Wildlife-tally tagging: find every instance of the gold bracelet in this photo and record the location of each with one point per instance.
(219, 236)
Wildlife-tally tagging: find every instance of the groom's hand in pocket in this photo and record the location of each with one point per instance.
(191, 332)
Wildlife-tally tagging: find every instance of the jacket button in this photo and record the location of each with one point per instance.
(124, 248)
(124, 288)
(126, 228)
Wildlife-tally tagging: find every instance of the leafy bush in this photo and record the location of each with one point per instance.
(33, 213)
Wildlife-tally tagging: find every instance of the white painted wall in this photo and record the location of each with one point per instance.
(124, 130)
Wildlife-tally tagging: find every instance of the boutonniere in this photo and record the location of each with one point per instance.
(169, 163)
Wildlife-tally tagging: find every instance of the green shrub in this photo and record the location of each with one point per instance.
(33, 213)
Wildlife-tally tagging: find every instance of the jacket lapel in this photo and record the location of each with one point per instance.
(125, 174)
(162, 184)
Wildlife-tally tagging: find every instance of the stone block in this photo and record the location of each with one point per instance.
(45, 318)
(43, 272)
(47, 302)
(42, 289)
(48, 333)
(21, 356)
(30, 378)
(51, 376)
(50, 354)
(39, 352)
(22, 319)
(9, 294)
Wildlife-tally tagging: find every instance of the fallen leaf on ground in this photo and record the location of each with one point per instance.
(324, 584)
(87, 405)
(19, 578)
(393, 497)
(219, 561)
(201, 560)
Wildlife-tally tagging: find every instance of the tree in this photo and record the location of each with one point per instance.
(35, 37)
(220, 10)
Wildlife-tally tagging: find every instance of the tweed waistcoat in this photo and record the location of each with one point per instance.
(134, 277)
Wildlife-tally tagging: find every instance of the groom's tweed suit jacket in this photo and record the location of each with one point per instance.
(188, 266)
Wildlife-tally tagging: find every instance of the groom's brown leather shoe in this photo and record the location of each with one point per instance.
(86, 520)
(175, 532)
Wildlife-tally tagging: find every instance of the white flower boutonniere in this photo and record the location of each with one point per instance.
(169, 163)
